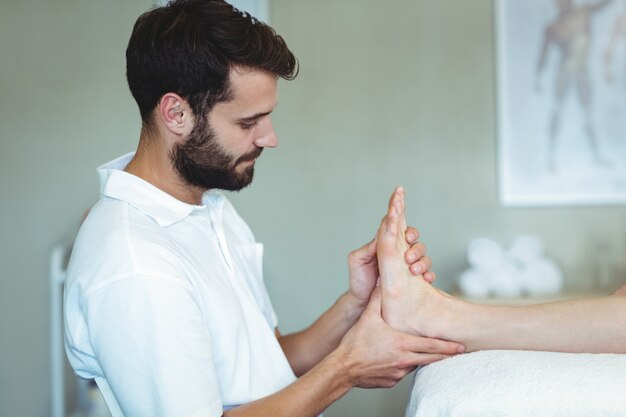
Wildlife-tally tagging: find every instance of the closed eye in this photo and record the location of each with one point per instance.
(249, 125)
(249, 122)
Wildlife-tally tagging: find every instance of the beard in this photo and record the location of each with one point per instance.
(202, 162)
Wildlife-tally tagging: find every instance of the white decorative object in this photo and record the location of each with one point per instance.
(523, 269)
(485, 253)
(472, 284)
(526, 249)
(506, 281)
(543, 278)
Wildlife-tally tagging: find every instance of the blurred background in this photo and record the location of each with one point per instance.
(395, 92)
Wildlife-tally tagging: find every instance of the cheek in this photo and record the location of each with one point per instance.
(239, 141)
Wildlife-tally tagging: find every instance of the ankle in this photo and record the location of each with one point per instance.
(439, 313)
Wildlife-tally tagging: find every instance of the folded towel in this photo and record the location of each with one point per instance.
(519, 384)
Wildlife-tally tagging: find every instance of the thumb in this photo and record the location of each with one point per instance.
(365, 253)
(368, 250)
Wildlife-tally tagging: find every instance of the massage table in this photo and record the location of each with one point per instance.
(520, 384)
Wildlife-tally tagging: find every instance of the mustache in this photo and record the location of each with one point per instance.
(249, 156)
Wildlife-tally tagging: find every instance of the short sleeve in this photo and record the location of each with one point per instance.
(153, 346)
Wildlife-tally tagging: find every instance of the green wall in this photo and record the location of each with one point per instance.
(396, 92)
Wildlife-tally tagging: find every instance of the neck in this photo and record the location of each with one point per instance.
(152, 163)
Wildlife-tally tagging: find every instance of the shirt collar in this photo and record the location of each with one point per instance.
(162, 207)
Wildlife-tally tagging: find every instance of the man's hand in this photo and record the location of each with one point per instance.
(363, 266)
(378, 356)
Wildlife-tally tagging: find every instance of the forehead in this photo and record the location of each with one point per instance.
(251, 91)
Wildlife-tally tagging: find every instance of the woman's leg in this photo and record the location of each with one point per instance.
(591, 325)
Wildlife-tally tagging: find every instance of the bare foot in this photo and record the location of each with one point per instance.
(404, 296)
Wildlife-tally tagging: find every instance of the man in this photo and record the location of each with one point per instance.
(571, 33)
(165, 303)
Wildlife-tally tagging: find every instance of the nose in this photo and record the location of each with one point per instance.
(266, 134)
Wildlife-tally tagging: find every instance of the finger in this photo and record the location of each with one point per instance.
(365, 255)
(434, 346)
(429, 276)
(365, 252)
(426, 358)
(412, 234)
(415, 253)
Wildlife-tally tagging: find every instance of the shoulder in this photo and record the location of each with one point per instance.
(117, 241)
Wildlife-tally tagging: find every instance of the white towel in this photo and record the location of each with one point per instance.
(521, 384)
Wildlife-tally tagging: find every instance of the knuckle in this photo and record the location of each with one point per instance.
(426, 359)
(404, 364)
(399, 374)
(389, 383)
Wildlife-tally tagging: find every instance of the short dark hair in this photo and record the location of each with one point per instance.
(189, 46)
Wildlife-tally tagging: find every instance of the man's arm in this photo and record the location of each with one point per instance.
(371, 355)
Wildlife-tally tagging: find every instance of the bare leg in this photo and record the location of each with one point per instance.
(410, 304)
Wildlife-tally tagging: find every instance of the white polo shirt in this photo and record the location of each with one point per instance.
(165, 304)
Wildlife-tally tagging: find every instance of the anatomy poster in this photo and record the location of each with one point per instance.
(561, 101)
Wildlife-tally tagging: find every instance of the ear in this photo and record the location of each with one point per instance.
(175, 113)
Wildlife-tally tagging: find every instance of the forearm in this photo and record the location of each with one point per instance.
(307, 348)
(309, 396)
(596, 325)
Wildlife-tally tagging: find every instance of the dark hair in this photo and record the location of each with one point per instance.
(189, 46)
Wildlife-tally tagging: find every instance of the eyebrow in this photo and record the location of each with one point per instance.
(254, 117)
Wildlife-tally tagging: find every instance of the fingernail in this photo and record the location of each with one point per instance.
(417, 269)
(461, 349)
(412, 257)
